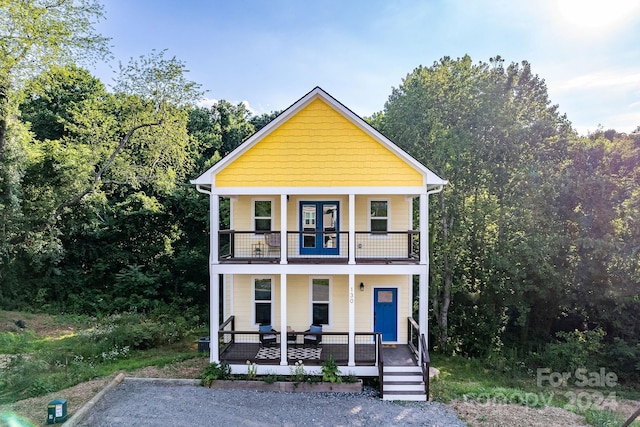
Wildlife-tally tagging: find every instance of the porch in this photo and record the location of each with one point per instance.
(240, 347)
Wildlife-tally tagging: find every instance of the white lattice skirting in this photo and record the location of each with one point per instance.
(292, 353)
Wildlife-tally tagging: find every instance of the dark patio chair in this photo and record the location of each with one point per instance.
(313, 335)
(267, 335)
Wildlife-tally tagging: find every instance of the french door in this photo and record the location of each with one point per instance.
(319, 226)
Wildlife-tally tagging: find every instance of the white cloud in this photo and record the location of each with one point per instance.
(207, 102)
(599, 80)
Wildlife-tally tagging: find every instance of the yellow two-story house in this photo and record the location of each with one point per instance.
(323, 246)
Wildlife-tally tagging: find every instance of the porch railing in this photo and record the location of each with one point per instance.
(317, 245)
(388, 245)
(380, 365)
(413, 331)
(425, 364)
(309, 246)
(242, 346)
(418, 346)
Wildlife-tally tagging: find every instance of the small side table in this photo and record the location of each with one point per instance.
(292, 337)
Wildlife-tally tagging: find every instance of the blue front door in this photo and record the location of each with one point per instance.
(319, 228)
(385, 313)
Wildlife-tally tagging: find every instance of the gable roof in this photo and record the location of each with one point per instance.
(430, 179)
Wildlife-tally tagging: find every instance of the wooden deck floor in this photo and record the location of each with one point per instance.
(365, 354)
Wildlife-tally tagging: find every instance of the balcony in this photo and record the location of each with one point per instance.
(331, 247)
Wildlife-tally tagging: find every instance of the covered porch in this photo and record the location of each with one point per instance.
(237, 348)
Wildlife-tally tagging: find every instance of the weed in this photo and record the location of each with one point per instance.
(298, 373)
(330, 371)
(215, 371)
(252, 370)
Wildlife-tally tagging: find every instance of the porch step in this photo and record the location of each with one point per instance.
(403, 383)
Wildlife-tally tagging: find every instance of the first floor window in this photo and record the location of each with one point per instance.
(262, 296)
(379, 215)
(320, 301)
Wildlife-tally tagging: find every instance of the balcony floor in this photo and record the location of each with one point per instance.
(332, 261)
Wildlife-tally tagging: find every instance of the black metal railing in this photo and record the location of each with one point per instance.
(311, 246)
(317, 245)
(264, 347)
(388, 245)
(425, 364)
(413, 338)
(249, 245)
(380, 365)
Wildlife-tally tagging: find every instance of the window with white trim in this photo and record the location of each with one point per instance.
(262, 215)
(320, 300)
(379, 215)
(262, 300)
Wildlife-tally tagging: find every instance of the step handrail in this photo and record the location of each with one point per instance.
(425, 364)
(380, 364)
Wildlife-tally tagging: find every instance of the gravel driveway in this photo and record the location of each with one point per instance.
(143, 403)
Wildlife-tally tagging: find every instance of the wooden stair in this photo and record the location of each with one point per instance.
(403, 383)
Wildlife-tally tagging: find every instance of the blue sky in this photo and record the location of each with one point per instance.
(270, 53)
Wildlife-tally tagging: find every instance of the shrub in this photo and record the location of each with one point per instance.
(330, 371)
(215, 371)
(573, 350)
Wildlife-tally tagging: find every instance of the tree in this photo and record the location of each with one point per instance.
(138, 135)
(493, 133)
(35, 34)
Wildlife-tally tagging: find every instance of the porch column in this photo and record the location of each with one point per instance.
(283, 229)
(214, 278)
(424, 229)
(423, 298)
(283, 319)
(352, 321)
(352, 228)
(214, 316)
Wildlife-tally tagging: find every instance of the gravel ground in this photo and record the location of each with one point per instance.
(140, 404)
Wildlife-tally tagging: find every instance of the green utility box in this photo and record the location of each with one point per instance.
(57, 411)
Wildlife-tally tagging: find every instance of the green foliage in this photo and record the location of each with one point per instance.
(599, 418)
(298, 374)
(330, 371)
(115, 342)
(272, 378)
(15, 343)
(215, 371)
(252, 370)
(573, 350)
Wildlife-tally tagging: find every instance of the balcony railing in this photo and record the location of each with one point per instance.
(319, 246)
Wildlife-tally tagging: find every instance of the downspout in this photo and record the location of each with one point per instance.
(214, 282)
(423, 311)
(202, 190)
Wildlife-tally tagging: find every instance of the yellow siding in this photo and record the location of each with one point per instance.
(318, 147)
(299, 302)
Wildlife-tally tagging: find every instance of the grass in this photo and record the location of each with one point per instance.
(472, 380)
(57, 352)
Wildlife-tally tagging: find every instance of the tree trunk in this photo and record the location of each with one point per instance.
(4, 116)
(443, 313)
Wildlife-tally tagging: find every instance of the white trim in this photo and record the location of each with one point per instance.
(388, 217)
(359, 371)
(317, 93)
(254, 301)
(232, 295)
(321, 269)
(324, 191)
(312, 301)
(352, 320)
